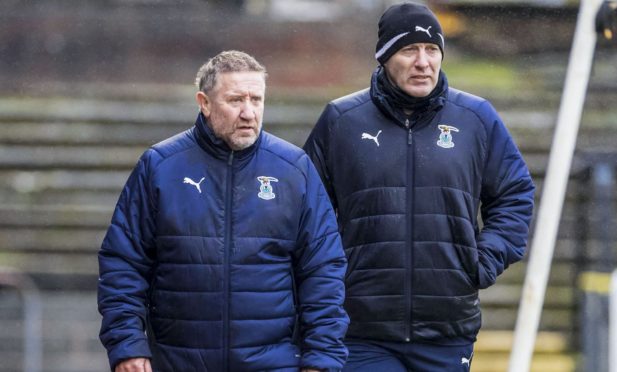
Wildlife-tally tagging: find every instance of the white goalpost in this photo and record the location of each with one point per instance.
(554, 188)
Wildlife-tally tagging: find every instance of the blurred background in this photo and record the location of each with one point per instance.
(87, 86)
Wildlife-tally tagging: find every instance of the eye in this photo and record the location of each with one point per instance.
(256, 99)
(432, 49)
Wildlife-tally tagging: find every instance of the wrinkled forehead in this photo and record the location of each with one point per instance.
(241, 83)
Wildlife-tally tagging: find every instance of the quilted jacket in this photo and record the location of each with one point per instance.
(407, 191)
(227, 260)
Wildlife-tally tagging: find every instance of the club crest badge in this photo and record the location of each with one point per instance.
(445, 136)
(265, 187)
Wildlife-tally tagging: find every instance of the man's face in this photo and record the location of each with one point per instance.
(234, 108)
(415, 68)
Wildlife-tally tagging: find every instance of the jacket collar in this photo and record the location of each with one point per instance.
(217, 147)
(382, 101)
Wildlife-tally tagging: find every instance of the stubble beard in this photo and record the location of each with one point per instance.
(240, 142)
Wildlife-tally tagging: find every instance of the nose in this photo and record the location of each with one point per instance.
(248, 111)
(422, 59)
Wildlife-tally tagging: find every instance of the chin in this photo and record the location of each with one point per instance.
(418, 92)
(425, 91)
(244, 142)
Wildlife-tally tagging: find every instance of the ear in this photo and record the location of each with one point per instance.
(204, 103)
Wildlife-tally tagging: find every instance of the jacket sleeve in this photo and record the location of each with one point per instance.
(317, 147)
(320, 266)
(507, 198)
(125, 262)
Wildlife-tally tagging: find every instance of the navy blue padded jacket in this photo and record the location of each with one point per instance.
(407, 191)
(215, 262)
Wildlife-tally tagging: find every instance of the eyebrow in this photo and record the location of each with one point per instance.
(236, 94)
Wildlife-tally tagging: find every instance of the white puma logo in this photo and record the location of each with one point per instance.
(196, 184)
(419, 28)
(374, 138)
(467, 361)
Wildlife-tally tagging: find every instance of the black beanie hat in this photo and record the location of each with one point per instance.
(405, 24)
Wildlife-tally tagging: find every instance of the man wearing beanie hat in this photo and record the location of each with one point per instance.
(408, 164)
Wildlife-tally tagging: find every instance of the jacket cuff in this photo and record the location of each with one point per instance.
(321, 363)
(128, 350)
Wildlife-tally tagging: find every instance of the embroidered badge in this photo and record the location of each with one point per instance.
(265, 188)
(445, 137)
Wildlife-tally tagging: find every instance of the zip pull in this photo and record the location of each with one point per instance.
(231, 158)
(409, 135)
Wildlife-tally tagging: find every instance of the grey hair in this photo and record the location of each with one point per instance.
(227, 61)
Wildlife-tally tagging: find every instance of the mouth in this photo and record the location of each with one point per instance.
(245, 129)
(420, 78)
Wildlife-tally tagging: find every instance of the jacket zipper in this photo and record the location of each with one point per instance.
(226, 259)
(409, 251)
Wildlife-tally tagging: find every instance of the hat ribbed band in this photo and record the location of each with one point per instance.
(405, 24)
(387, 45)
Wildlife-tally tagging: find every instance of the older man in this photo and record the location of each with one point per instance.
(223, 253)
(408, 164)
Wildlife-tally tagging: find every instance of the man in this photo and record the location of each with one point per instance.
(408, 163)
(223, 249)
